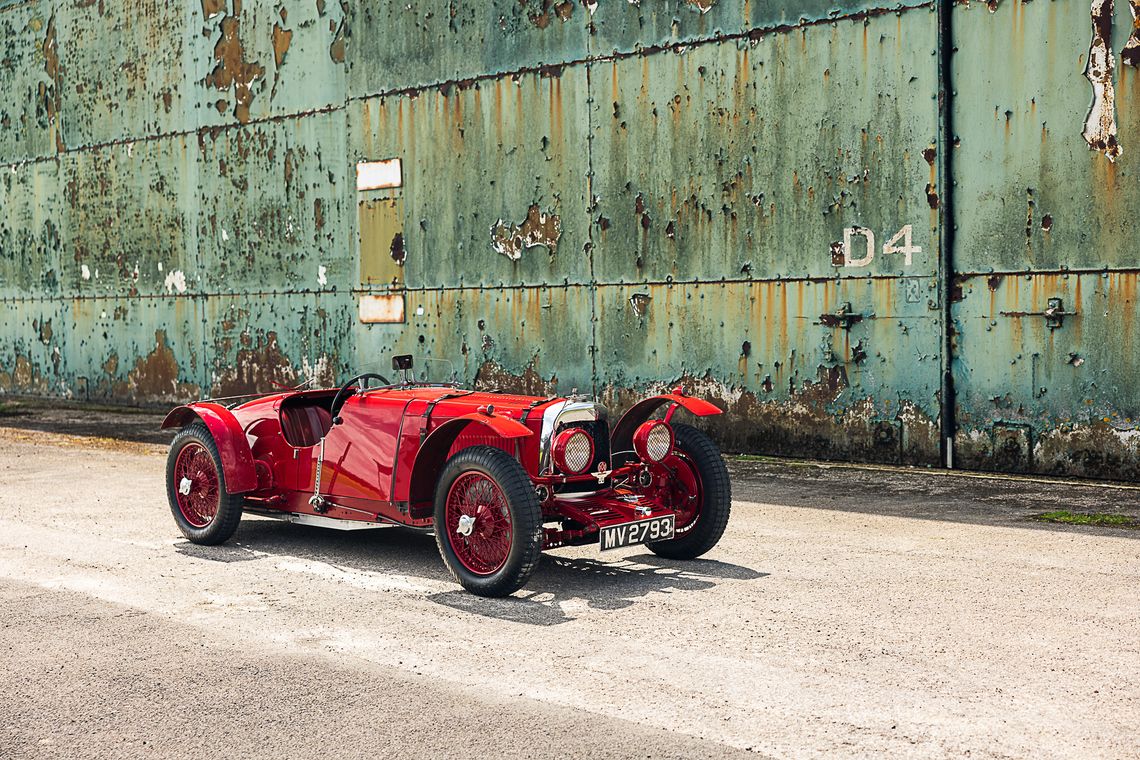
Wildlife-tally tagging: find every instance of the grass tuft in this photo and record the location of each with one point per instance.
(1102, 519)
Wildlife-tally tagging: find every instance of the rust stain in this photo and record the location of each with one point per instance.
(156, 375)
(337, 48)
(231, 69)
(493, 376)
(318, 213)
(1130, 55)
(52, 96)
(563, 11)
(398, 252)
(931, 196)
(211, 8)
(639, 302)
(1100, 125)
(23, 376)
(540, 228)
(838, 258)
(704, 6)
(257, 366)
(806, 420)
(642, 214)
(1097, 449)
(282, 38)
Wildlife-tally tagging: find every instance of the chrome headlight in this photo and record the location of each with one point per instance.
(556, 418)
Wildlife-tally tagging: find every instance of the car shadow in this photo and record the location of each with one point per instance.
(560, 589)
(562, 586)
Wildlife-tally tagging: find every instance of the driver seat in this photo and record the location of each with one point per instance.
(305, 425)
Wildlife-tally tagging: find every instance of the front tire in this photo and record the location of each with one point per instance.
(697, 469)
(488, 522)
(196, 488)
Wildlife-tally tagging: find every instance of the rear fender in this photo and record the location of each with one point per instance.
(419, 486)
(238, 468)
(622, 437)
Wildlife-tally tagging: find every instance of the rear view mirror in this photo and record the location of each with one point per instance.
(402, 362)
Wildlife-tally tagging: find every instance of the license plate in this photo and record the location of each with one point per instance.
(653, 529)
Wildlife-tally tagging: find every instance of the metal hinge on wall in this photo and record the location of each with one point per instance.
(1054, 313)
(842, 317)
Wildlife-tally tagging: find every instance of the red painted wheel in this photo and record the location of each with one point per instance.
(488, 523)
(479, 522)
(196, 488)
(694, 482)
(196, 485)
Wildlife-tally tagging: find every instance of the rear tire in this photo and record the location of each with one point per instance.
(196, 488)
(715, 494)
(488, 522)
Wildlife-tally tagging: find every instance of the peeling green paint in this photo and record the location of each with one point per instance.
(786, 205)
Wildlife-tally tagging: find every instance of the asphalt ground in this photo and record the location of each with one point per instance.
(847, 612)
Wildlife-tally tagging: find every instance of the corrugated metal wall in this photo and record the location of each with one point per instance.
(843, 220)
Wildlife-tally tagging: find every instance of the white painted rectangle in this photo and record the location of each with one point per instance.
(378, 175)
(384, 309)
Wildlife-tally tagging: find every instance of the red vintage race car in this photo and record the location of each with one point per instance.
(498, 477)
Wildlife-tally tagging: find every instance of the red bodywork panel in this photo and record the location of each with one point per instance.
(382, 461)
(239, 471)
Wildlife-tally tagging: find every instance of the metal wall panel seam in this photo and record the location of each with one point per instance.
(202, 130)
(947, 412)
(754, 33)
(516, 286)
(589, 225)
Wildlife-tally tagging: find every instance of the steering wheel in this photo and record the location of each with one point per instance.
(342, 395)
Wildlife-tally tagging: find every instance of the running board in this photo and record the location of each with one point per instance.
(318, 521)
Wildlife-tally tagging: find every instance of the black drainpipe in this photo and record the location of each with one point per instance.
(946, 226)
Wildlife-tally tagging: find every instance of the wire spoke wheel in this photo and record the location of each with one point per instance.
(203, 508)
(478, 523)
(488, 523)
(196, 485)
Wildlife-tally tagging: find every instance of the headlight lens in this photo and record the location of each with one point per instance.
(653, 441)
(573, 451)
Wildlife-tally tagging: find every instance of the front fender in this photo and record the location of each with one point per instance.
(622, 437)
(419, 486)
(238, 468)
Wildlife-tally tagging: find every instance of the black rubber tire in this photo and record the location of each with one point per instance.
(525, 512)
(225, 522)
(716, 504)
